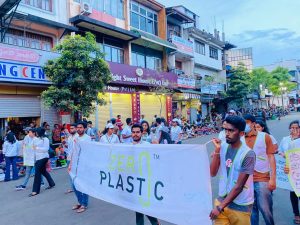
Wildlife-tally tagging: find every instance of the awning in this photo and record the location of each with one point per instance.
(104, 28)
(156, 42)
(190, 94)
(43, 21)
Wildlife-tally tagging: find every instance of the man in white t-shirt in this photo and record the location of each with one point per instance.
(137, 131)
(126, 132)
(109, 137)
(82, 198)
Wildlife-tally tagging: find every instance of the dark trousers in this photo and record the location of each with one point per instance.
(140, 219)
(40, 169)
(294, 200)
(11, 160)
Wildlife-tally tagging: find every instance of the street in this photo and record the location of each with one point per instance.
(53, 207)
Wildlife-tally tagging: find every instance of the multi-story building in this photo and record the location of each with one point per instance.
(242, 55)
(133, 37)
(27, 40)
(199, 55)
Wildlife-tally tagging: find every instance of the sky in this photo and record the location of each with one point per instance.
(270, 27)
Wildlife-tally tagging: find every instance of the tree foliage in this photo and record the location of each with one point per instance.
(239, 83)
(272, 80)
(77, 76)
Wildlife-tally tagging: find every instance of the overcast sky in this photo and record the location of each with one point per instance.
(271, 27)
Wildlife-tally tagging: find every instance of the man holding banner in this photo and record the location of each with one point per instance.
(82, 198)
(136, 132)
(236, 162)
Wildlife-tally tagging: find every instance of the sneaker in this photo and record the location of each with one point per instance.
(20, 187)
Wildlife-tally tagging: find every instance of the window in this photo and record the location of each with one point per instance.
(199, 48)
(173, 30)
(41, 4)
(143, 18)
(112, 7)
(213, 53)
(113, 51)
(145, 61)
(27, 39)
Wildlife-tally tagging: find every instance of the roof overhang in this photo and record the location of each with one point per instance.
(105, 28)
(43, 21)
(152, 41)
(176, 14)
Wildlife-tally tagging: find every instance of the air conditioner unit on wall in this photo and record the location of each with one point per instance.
(86, 8)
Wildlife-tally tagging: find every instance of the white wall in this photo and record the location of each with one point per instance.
(206, 61)
(59, 11)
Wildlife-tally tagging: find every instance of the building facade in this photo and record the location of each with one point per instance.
(132, 35)
(242, 55)
(25, 48)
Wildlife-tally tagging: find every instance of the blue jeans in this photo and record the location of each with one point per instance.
(28, 172)
(83, 199)
(263, 203)
(11, 161)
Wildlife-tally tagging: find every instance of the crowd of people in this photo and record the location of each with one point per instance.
(244, 158)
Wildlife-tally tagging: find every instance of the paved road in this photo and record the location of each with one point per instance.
(53, 207)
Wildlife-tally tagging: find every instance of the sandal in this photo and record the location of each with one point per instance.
(69, 191)
(297, 220)
(76, 207)
(32, 194)
(81, 209)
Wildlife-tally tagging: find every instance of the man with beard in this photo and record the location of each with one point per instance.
(236, 162)
(136, 133)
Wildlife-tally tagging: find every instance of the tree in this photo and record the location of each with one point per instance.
(77, 76)
(239, 84)
(259, 78)
(281, 78)
(159, 92)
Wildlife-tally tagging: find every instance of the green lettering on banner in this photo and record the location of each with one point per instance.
(130, 164)
(145, 155)
(120, 163)
(112, 162)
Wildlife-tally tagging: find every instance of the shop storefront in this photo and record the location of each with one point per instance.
(186, 103)
(22, 81)
(134, 92)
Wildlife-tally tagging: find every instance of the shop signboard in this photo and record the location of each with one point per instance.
(212, 89)
(25, 73)
(120, 89)
(169, 108)
(23, 65)
(18, 54)
(186, 82)
(136, 107)
(183, 45)
(132, 75)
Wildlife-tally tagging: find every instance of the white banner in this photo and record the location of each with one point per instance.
(170, 182)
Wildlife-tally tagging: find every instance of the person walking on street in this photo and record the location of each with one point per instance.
(68, 147)
(235, 162)
(286, 144)
(262, 127)
(109, 137)
(136, 132)
(28, 158)
(82, 198)
(10, 150)
(264, 172)
(176, 132)
(41, 147)
(126, 136)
